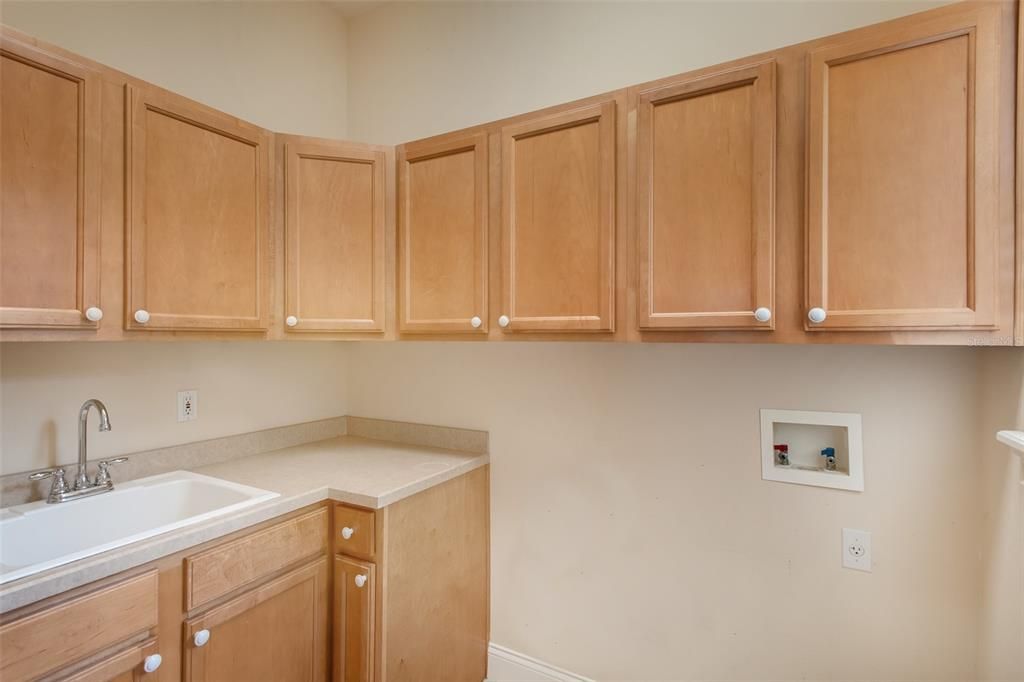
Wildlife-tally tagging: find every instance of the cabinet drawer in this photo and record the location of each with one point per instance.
(223, 569)
(43, 642)
(354, 532)
(124, 665)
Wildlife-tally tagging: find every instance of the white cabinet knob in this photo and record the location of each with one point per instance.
(201, 638)
(476, 322)
(503, 321)
(153, 662)
(141, 316)
(360, 580)
(816, 315)
(762, 314)
(347, 533)
(93, 314)
(291, 320)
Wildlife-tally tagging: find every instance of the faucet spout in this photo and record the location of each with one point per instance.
(81, 477)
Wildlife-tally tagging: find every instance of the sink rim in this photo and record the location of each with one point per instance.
(8, 514)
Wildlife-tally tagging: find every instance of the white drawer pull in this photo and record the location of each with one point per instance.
(762, 314)
(816, 315)
(152, 663)
(347, 533)
(503, 321)
(475, 322)
(141, 316)
(201, 638)
(360, 580)
(291, 320)
(93, 314)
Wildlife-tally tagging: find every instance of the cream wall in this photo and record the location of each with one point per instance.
(1001, 627)
(421, 68)
(632, 535)
(243, 386)
(280, 65)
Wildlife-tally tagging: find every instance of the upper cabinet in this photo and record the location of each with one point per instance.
(856, 188)
(49, 190)
(558, 226)
(197, 237)
(442, 242)
(705, 210)
(335, 199)
(902, 178)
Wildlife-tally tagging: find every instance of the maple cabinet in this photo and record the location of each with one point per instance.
(49, 190)
(111, 628)
(706, 195)
(335, 206)
(558, 221)
(443, 228)
(902, 225)
(355, 588)
(197, 235)
(397, 594)
(415, 607)
(851, 189)
(277, 631)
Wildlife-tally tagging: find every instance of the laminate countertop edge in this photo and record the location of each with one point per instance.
(408, 470)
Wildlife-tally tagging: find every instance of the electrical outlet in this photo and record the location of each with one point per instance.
(188, 405)
(857, 549)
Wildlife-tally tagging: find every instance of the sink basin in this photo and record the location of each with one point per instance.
(38, 536)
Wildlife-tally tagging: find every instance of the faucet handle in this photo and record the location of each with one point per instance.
(40, 475)
(103, 475)
(59, 485)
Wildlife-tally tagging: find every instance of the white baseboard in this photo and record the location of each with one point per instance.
(505, 665)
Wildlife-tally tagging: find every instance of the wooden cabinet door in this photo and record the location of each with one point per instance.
(276, 632)
(355, 587)
(442, 235)
(334, 237)
(902, 176)
(49, 189)
(558, 221)
(197, 241)
(706, 198)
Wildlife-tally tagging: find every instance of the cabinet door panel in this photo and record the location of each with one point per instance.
(354, 618)
(705, 209)
(558, 221)
(197, 239)
(902, 177)
(49, 189)
(443, 235)
(334, 231)
(273, 633)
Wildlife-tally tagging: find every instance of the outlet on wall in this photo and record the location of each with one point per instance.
(857, 549)
(188, 405)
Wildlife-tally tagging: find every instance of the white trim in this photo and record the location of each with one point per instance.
(505, 665)
(1015, 439)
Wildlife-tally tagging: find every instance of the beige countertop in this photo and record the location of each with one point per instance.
(350, 469)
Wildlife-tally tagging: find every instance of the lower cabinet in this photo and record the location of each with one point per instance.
(275, 632)
(398, 594)
(355, 587)
(92, 636)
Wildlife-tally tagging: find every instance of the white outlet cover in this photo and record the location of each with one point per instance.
(857, 549)
(188, 405)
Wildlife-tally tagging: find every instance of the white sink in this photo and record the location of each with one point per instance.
(38, 536)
